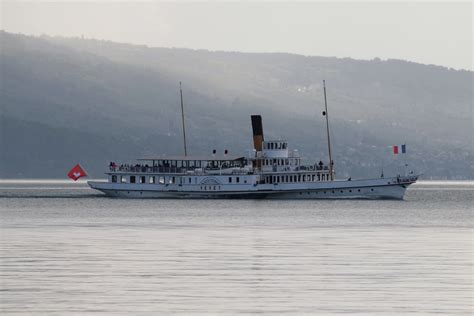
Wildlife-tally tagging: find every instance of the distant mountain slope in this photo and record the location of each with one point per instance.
(117, 101)
(402, 94)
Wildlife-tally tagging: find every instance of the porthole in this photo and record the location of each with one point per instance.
(358, 190)
(371, 189)
(333, 191)
(342, 191)
(350, 191)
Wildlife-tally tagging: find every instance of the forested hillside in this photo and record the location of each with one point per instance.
(69, 100)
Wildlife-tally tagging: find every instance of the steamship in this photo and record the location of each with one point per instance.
(270, 170)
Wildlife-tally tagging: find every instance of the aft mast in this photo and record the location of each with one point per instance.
(182, 118)
(325, 113)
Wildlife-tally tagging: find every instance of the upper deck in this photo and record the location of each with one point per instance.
(180, 165)
(217, 165)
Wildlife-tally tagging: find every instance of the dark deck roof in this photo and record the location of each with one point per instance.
(192, 158)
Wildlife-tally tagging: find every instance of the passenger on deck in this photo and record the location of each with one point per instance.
(321, 165)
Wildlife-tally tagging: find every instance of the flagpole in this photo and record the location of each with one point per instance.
(404, 151)
(182, 118)
(325, 113)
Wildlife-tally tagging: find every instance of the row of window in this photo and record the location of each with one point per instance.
(173, 180)
(275, 145)
(143, 179)
(162, 179)
(279, 162)
(297, 178)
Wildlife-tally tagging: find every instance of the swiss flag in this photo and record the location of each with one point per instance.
(77, 172)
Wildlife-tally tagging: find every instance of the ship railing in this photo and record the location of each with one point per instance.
(147, 169)
(175, 170)
(312, 168)
(242, 172)
(299, 169)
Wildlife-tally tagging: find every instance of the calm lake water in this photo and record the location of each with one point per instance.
(65, 249)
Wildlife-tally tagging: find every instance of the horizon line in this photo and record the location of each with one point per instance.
(376, 58)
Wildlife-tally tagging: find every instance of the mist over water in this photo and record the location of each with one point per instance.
(67, 249)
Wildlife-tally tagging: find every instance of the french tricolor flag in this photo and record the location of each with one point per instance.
(397, 149)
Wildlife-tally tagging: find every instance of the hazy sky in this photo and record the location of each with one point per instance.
(428, 32)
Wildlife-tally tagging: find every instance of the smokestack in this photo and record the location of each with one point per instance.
(257, 132)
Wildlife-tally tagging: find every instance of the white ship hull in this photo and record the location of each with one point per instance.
(383, 188)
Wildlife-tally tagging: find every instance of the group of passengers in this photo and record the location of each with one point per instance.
(137, 167)
(145, 168)
(128, 167)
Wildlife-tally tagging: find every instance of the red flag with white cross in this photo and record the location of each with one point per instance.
(77, 172)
